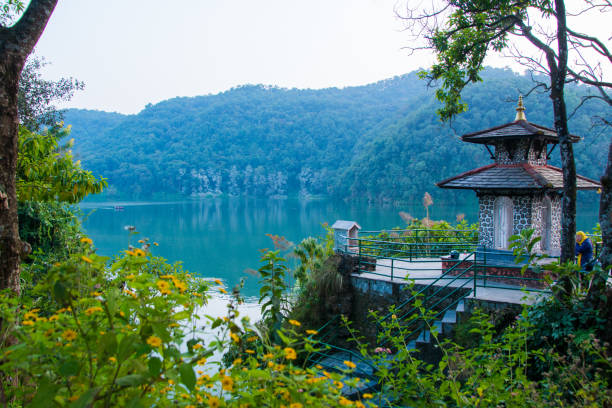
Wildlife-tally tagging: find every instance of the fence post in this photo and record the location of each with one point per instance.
(391, 269)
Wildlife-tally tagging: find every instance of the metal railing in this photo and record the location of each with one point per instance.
(330, 350)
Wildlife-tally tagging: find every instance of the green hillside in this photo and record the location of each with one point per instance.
(381, 142)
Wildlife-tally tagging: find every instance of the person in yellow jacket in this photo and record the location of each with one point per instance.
(584, 250)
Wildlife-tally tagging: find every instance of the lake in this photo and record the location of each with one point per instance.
(221, 237)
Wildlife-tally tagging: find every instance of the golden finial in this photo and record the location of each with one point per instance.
(520, 110)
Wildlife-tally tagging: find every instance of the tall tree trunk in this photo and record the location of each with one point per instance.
(605, 213)
(16, 43)
(10, 244)
(558, 73)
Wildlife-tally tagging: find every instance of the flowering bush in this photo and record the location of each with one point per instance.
(127, 332)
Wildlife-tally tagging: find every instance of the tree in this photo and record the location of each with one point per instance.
(16, 44)
(463, 32)
(36, 95)
(47, 172)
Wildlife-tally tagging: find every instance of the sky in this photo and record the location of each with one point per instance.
(131, 53)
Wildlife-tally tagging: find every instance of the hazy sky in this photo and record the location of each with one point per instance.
(133, 52)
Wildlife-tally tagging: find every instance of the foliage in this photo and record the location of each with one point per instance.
(9, 9)
(494, 372)
(349, 143)
(273, 289)
(49, 227)
(311, 254)
(422, 238)
(47, 172)
(132, 332)
(36, 96)
(563, 322)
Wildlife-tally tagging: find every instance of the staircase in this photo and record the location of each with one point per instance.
(435, 307)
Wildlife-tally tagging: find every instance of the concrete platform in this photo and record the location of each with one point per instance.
(426, 271)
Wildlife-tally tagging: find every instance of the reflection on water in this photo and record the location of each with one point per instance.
(220, 238)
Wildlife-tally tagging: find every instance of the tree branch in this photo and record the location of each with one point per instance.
(27, 31)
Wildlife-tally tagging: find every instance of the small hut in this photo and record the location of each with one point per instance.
(345, 235)
(519, 189)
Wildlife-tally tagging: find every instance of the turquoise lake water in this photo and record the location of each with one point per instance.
(221, 237)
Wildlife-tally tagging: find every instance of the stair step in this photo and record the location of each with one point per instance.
(424, 337)
(450, 317)
(460, 306)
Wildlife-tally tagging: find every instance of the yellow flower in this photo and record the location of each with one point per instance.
(237, 361)
(130, 276)
(197, 346)
(311, 332)
(129, 292)
(93, 310)
(69, 335)
(86, 259)
(223, 291)
(30, 315)
(139, 252)
(87, 240)
(235, 337)
(227, 383)
(128, 252)
(164, 287)
(156, 244)
(180, 286)
(218, 282)
(345, 402)
(73, 398)
(338, 384)
(95, 294)
(268, 356)
(249, 351)
(28, 323)
(202, 361)
(290, 353)
(349, 364)
(154, 341)
(367, 396)
(112, 359)
(53, 318)
(213, 402)
(252, 338)
(295, 405)
(294, 323)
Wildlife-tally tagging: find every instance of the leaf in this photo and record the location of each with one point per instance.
(86, 399)
(188, 376)
(155, 366)
(182, 315)
(130, 380)
(69, 368)
(60, 292)
(134, 403)
(126, 347)
(46, 392)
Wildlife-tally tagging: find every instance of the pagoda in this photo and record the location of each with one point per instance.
(519, 189)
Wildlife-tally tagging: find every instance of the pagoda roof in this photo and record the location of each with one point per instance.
(515, 130)
(515, 177)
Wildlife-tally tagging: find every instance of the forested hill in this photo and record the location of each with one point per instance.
(381, 141)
